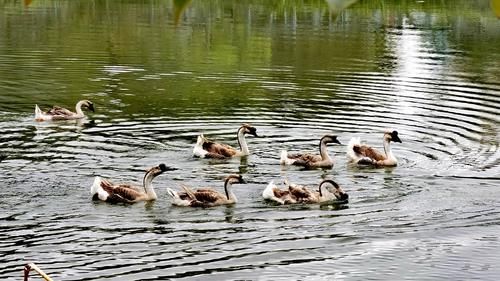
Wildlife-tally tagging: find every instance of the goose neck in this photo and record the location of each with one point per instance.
(242, 141)
(229, 191)
(323, 150)
(148, 185)
(78, 108)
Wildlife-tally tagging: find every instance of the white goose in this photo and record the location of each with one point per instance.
(363, 154)
(205, 148)
(309, 160)
(105, 190)
(296, 194)
(206, 197)
(59, 113)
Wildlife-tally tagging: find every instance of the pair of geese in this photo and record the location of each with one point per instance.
(328, 190)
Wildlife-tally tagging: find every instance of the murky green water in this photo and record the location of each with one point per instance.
(161, 72)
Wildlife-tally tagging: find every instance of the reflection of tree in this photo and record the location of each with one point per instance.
(495, 6)
(228, 36)
(179, 7)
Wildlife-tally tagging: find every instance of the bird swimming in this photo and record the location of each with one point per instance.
(205, 148)
(310, 160)
(59, 113)
(105, 190)
(363, 154)
(206, 197)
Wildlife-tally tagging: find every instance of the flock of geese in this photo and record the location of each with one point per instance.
(327, 190)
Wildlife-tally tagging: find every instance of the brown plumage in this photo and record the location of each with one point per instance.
(369, 152)
(366, 155)
(205, 148)
(59, 113)
(309, 160)
(301, 194)
(206, 197)
(218, 150)
(105, 190)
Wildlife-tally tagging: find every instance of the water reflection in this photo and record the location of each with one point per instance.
(179, 7)
(495, 6)
(337, 6)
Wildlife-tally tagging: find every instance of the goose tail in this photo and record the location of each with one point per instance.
(284, 160)
(176, 200)
(96, 188)
(268, 193)
(173, 194)
(351, 154)
(198, 150)
(38, 113)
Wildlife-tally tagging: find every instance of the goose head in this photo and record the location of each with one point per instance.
(392, 136)
(235, 179)
(248, 129)
(157, 170)
(330, 139)
(337, 191)
(88, 104)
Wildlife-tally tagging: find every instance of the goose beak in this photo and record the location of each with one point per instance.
(342, 196)
(396, 139)
(91, 107)
(336, 141)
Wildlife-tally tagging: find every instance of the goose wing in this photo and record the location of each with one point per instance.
(208, 196)
(368, 151)
(305, 159)
(120, 193)
(301, 193)
(218, 150)
(280, 193)
(57, 110)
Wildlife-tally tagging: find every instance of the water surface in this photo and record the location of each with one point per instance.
(161, 72)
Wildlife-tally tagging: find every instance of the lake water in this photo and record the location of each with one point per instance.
(161, 72)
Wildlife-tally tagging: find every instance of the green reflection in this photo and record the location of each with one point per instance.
(55, 52)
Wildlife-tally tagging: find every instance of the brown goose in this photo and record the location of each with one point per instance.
(363, 154)
(205, 148)
(59, 113)
(105, 190)
(308, 160)
(301, 194)
(206, 197)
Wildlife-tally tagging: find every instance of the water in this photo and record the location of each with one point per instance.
(161, 72)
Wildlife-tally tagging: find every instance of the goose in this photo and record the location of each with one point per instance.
(309, 160)
(205, 148)
(206, 197)
(363, 154)
(296, 194)
(59, 113)
(105, 190)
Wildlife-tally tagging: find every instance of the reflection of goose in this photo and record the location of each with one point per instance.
(301, 194)
(206, 197)
(205, 148)
(321, 160)
(366, 155)
(104, 190)
(59, 113)
(337, 6)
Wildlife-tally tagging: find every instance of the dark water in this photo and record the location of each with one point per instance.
(161, 72)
